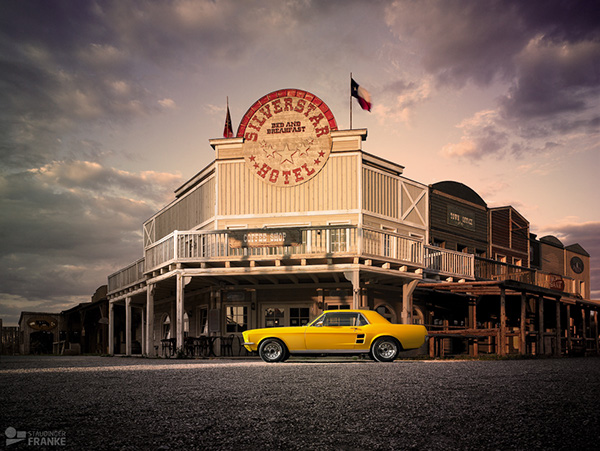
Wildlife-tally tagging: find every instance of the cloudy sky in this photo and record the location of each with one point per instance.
(107, 107)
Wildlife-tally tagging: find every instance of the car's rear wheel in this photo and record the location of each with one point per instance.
(272, 350)
(385, 349)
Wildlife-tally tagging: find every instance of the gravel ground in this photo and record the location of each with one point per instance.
(326, 404)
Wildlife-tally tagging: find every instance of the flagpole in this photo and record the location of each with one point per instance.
(350, 100)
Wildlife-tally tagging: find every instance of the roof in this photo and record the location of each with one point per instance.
(551, 240)
(459, 190)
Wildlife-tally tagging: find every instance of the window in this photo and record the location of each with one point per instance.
(299, 316)
(166, 327)
(237, 318)
(462, 248)
(186, 325)
(337, 307)
(418, 316)
(439, 243)
(389, 241)
(338, 240)
(386, 312)
(341, 319)
(274, 317)
(202, 320)
(517, 261)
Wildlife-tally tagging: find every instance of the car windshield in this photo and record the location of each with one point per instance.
(340, 319)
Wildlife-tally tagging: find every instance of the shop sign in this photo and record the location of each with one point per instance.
(460, 218)
(557, 283)
(287, 137)
(267, 238)
(42, 323)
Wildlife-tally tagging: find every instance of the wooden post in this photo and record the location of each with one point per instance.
(596, 336)
(111, 328)
(523, 328)
(407, 301)
(179, 312)
(473, 344)
(583, 330)
(569, 349)
(150, 350)
(502, 336)
(558, 347)
(541, 350)
(128, 326)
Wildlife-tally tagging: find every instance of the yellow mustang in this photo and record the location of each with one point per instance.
(337, 332)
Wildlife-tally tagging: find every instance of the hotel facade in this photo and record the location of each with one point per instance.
(292, 217)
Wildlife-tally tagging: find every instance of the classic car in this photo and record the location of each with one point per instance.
(337, 332)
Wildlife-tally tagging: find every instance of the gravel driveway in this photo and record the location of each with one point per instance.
(327, 404)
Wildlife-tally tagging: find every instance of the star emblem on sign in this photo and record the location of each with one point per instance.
(287, 154)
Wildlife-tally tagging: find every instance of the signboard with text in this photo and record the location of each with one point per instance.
(460, 218)
(266, 238)
(287, 137)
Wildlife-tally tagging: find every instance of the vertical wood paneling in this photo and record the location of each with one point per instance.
(242, 193)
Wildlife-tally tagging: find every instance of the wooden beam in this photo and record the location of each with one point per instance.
(557, 348)
(540, 350)
(502, 338)
(523, 328)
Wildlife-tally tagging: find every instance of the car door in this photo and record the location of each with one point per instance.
(333, 331)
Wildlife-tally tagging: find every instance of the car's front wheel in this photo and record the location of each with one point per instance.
(385, 349)
(272, 350)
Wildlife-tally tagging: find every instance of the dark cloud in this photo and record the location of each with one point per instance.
(546, 52)
(68, 225)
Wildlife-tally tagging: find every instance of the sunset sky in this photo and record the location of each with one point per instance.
(108, 106)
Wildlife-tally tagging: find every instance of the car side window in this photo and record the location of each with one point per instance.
(341, 319)
(362, 321)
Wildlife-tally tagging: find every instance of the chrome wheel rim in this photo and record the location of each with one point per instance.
(272, 351)
(386, 349)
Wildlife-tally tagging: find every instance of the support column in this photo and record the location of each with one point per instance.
(502, 338)
(179, 312)
(473, 343)
(111, 328)
(583, 329)
(541, 325)
(143, 313)
(407, 301)
(127, 326)
(523, 328)
(558, 347)
(150, 351)
(354, 277)
(569, 349)
(596, 336)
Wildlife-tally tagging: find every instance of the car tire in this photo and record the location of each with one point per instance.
(272, 350)
(385, 349)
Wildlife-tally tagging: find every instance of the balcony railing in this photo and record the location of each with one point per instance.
(449, 263)
(330, 241)
(494, 270)
(130, 275)
(337, 241)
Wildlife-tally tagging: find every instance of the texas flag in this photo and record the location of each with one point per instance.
(361, 94)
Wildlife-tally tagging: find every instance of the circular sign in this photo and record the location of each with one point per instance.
(287, 137)
(577, 265)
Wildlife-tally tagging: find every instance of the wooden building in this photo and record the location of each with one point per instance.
(292, 217)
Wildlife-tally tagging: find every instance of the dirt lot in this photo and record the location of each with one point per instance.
(326, 404)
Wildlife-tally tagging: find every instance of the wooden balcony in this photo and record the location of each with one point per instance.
(308, 244)
(127, 277)
(449, 264)
(486, 269)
